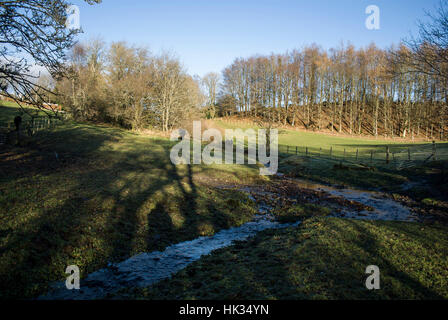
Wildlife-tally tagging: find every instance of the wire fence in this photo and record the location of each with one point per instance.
(399, 157)
(30, 127)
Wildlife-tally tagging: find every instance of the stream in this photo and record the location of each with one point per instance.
(383, 208)
(145, 269)
(148, 268)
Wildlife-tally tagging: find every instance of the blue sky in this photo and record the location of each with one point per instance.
(209, 35)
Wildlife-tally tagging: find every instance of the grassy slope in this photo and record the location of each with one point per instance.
(315, 140)
(325, 258)
(109, 195)
(321, 168)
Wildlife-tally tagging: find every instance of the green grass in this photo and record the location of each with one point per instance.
(89, 194)
(107, 195)
(314, 141)
(299, 212)
(325, 258)
(324, 170)
(320, 167)
(320, 144)
(432, 177)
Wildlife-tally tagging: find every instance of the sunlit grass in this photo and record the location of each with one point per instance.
(89, 194)
(325, 258)
(322, 143)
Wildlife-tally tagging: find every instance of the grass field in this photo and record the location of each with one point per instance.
(86, 195)
(320, 143)
(320, 167)
(90, 194)
(324, 258)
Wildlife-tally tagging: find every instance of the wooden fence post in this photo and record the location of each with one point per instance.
(387, 154)
(434, 150)
(357, 154)
(297, 150)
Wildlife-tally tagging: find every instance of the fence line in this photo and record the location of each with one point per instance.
(29, 127)
(36, 124)
(400, 157)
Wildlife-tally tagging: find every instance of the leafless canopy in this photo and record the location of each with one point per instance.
(429, 51)
(32, 33)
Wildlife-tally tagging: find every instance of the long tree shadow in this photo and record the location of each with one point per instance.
(95, 223)
(288, 264)
(108, 204)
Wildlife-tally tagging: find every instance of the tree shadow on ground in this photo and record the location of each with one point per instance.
(318, 263)
(101, 204)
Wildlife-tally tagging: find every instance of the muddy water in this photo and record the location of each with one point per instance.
(148, 268)
(383, 207)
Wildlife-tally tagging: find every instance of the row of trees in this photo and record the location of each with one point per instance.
(400, 91)
(358, 91)
(128, 86)
(369, 91)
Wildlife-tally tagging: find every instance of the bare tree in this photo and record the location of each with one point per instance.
(364, 91)
(211, 82)
(429, 50)
(32, 33)
(175, 94)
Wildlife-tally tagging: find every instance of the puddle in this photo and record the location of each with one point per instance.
(148, 268)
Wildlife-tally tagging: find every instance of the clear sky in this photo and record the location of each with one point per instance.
(208, 35)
